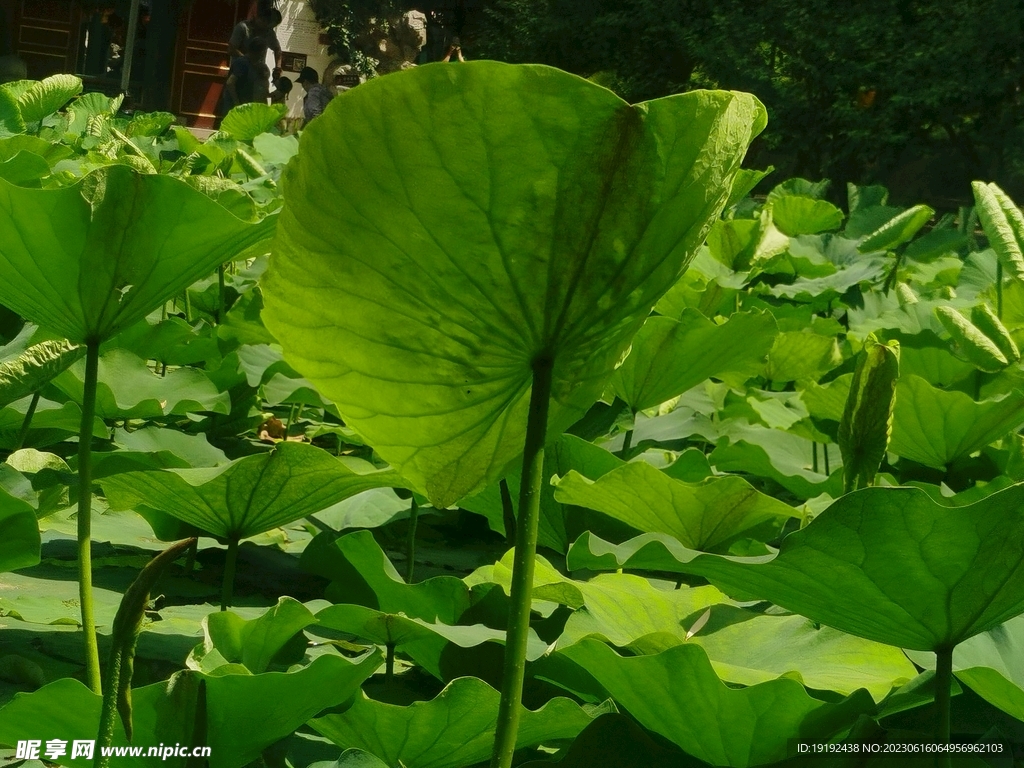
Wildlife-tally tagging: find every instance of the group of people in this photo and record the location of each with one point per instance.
(249, 77)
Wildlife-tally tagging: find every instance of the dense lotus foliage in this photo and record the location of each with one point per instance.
(495, 421)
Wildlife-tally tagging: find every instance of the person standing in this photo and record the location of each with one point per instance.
(248, 80)
(318, 96)
(264, 24)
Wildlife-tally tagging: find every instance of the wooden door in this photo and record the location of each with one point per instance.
(46, 36)
(201, 61)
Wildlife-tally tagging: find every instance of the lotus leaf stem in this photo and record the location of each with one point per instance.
(389, 664)
(523, 565)
(627, 443)
(943, 684)
(228, 587)
(92, 651)
(27, 423)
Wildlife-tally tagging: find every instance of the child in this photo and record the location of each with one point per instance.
(282, 87)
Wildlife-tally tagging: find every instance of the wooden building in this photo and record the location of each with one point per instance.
(180, 61)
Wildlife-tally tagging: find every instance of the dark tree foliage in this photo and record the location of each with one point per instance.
(923, 95)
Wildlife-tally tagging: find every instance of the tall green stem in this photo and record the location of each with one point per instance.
(522, 567)
(228, 587)
(27, 423)
(389, 664)
(92, 650)
(627, 443)
(943, 684)
(410, 549)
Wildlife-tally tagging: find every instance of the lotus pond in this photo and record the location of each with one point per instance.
(494, 422)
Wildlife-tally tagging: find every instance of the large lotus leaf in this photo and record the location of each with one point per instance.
(784, 457)
(934, 427)
(24, 169)
(19, 533)
(677, 694)
(418, 289)
(364, 575)
(421, 640)
(704, 515)
(892, 565)
(52, 423)
(128, 389)
(244, 713)
(25, 367)
(45, 97)
(255, 642)
(250, 495)
(353, 758)
(748, 648)
(567, 453)
(453, 730)
(622, 607)
(247, 121)
(801, 355)
(91, 259)
(798, 215)
(669, 357)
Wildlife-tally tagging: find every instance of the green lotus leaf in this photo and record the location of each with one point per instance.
(422, 641)
(669, 357)
(544, 222)
(25, 367)
(620, 608)
(24, 169)
(677, 694)
(84, 270)
(798, 355)
(647, 552)
(748, 648)
(1003, 223)
(250, 495)
(19, 533)
(255, 642)
(51, 153)
(52, 423)
(277, 150)
(784, 457)
(247, 121)
(935, 427)
(898, 230)
(799, 215)
(364, 575)
(128, 389)
(991, 664)
(244, 713)
(894, 566)
(43, 98)
(706, 515)
(453, 730)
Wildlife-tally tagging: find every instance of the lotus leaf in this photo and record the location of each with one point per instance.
(249, 495)
(454, 273)
(453, 730)
(705, 515)
(677, 694)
